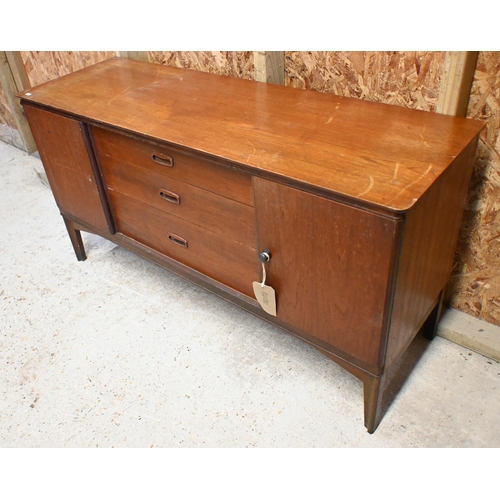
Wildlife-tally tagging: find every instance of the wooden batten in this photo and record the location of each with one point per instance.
(470, 332)
(19, 122)
(270, 67)
(456, 82)
(18, 70)
(138, 56)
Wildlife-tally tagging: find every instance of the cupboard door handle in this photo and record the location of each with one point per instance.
(178, 240)
(165, 160)
(171, 197)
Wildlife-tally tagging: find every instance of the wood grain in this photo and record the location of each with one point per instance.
(458, 72)
(472, 333)
(389, 159)
(330, 267)
(200, 172)
(223, 216)
(430, 237)
(270, 67)
(67, 164)
(224, 260)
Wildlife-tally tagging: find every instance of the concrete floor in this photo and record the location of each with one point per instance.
(116, 352)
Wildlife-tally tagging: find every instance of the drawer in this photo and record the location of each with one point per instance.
(173, 162)
(218, 214)
(226, 261)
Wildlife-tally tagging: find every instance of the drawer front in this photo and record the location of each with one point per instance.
(218, 214)
(172, 162)
(226, 261)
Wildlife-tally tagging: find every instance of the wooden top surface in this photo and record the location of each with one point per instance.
(381, 154)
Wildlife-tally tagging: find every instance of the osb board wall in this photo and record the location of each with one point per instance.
(44, 66)
(6, 116)
(239, 64)
(475, 287)
(409, 79)
(8, 126)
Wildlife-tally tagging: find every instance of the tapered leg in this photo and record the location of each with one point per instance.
(76, 239)
(373, 388)
(430, 326)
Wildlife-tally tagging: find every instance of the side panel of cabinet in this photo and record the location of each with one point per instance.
(428, 250)
(331, 267)
(61, 144)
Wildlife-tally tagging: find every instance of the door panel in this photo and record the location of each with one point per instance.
(330, 266)
(66, 161)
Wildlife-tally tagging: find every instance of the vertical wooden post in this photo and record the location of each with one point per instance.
(270, 67)
(454, 93)
(138, 55)
(13, 79)
(18, 70)
(456, 83)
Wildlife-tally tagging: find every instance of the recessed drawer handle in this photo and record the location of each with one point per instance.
(171, 197)
(178, 240)
(166, 161)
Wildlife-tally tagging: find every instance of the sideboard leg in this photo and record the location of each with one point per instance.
(373, 389)
(76, 239)
(430, 326)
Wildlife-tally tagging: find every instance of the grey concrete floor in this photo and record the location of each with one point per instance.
(116, 352)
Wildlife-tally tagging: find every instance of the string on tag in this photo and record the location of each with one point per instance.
(265, 294)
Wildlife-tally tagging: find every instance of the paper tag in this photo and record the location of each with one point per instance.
(266, 296)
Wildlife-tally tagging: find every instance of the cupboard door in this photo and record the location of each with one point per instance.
(61, 144)
(330, 267)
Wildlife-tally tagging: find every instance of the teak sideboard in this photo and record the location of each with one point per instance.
(358, 204)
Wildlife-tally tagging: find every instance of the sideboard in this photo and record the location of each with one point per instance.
(347, 211)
